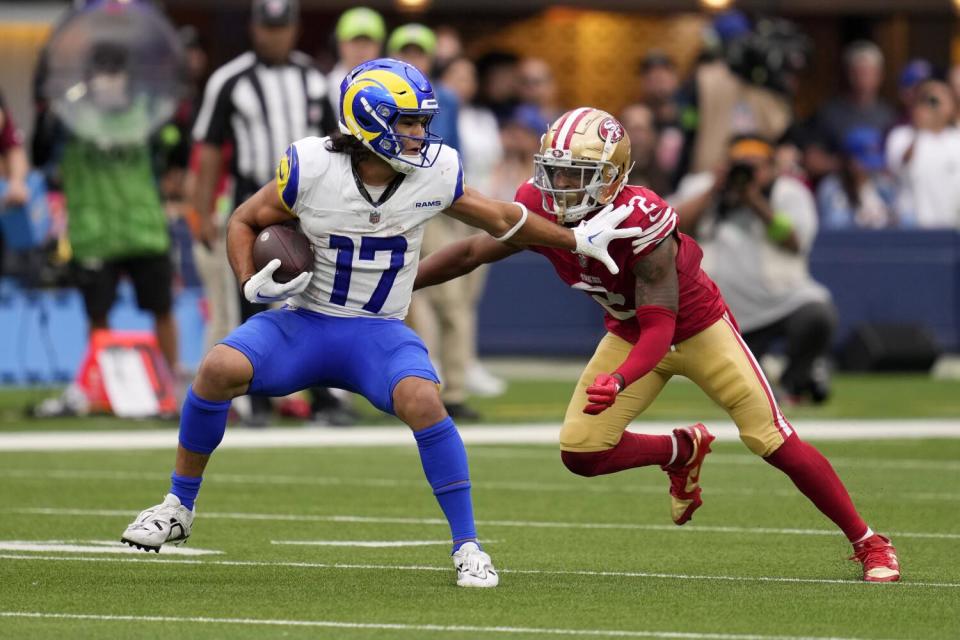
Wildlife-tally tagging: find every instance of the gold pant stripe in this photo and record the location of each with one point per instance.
(716, 359)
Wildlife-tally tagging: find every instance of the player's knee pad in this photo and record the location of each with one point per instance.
(584, 463)
(760, 446)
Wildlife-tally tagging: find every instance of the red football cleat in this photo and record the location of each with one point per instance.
(879, 559)
(685, 480)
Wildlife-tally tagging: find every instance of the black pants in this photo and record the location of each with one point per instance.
(808, 333)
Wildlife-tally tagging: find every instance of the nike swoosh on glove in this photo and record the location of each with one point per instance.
(595, 234)
(602, 394)
(261, 288)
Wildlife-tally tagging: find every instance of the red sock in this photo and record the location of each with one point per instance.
(816, 479)
(633, 450)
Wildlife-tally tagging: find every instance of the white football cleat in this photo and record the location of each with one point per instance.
(474, 567)
(166, 522)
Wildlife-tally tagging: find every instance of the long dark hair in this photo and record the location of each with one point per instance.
(340, 143)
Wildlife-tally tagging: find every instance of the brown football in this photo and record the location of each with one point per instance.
(287, 243)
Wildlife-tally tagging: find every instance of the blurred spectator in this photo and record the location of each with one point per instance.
(259, 103)
(861, 194)
(499, 79)
(116, 222)
(13, 168)
(756, 230)
(914, 73)
(360, 33)
(661, 94)
(415, 44)
(861, 104)
(449, 46)
(806, 153)
(925, 158)
(481, 152)
(637, 120)
(659, 84)
(539, 88)
(520, 135)
(480, 147)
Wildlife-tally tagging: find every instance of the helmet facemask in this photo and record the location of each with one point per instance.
(571, 189)
(390, 145)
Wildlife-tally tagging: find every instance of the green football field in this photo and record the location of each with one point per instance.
(348, 542)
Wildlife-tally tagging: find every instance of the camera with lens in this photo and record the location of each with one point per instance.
(740, 175)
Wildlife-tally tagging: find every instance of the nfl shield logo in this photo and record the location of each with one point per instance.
(582, 259)
(374, 217)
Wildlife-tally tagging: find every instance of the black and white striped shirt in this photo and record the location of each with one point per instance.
(262, 108)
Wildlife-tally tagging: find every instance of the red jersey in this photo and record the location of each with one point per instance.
(700, 303)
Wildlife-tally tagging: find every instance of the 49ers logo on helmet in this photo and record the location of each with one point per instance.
(611, 130)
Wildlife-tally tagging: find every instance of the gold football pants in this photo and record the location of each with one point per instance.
(716, 359)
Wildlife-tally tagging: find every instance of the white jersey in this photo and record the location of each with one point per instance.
(366, 253)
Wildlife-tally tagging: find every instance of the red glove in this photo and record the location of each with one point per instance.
(602, 393)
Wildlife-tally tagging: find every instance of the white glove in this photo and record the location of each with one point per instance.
(261, 288)
(595, 234)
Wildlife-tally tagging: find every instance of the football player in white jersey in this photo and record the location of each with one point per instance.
(362, 199)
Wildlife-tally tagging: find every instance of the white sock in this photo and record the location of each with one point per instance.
(673, 456)
(865, 536)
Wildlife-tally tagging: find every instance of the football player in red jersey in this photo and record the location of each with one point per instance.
(664, 317)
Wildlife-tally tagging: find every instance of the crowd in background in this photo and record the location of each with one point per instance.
(861, 161)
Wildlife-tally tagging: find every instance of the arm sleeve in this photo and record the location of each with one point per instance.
(657, 326)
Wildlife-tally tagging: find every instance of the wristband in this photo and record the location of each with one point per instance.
(780, 227)
(513, 230)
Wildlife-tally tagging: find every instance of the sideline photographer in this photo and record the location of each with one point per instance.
(756, 230)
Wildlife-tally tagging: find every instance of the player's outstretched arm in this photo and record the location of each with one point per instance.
(657, 299)
(511, 221)
(460, 258)
(260, 210)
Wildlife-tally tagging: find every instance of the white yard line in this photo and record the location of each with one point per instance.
(334, 624)
(94, 546)
(577, 485)
(473, 434)
(368, 544)
(152, 558)
(524, 524)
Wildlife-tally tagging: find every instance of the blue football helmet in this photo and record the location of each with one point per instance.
(374, 95)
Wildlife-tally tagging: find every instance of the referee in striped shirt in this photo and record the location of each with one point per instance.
(259, 103)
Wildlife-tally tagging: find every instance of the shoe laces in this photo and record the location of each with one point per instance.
(876, 551)
(474, 562)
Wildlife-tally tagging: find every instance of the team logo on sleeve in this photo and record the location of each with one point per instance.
(288, 177)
